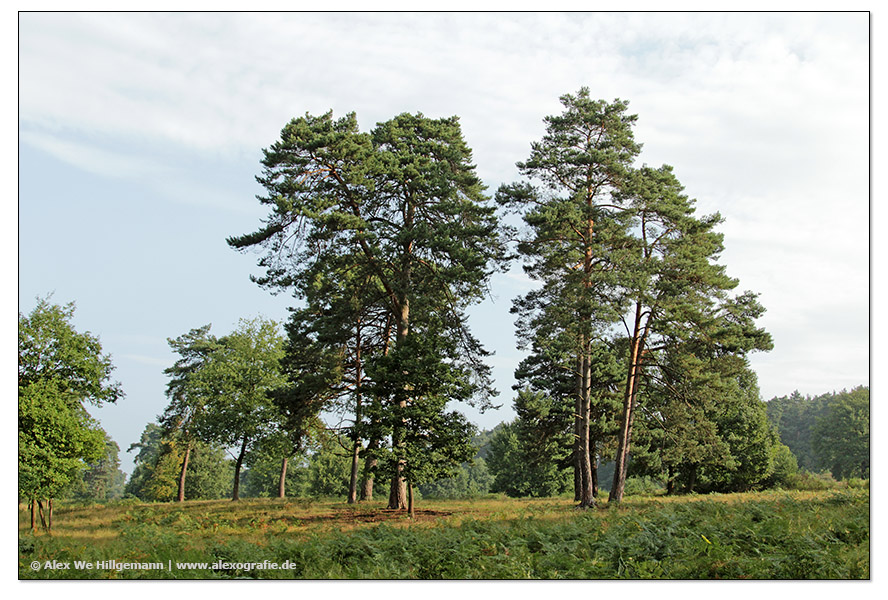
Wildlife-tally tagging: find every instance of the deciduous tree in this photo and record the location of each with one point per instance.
(59, 371)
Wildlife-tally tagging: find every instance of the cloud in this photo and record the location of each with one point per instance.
(763, 115)
(91, 158)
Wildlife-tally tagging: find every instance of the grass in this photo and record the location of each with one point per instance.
(766, 535)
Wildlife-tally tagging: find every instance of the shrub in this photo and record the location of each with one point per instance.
(807, 481)
(643, 486)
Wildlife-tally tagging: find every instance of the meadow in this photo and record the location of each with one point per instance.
(763, 535)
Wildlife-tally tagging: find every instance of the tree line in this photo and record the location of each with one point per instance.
(65, 454)
(637, 342)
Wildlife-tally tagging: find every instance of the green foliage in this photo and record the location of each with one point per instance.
(262, 479)
(328, 471)
(841, 436)
(102, 480)
(643, 486)
(470, 480)
(159, 462)
(388, 237)
(805, 480)
(786, 467)
(210, 473)
(59, 370)
(237, 378)
(519, 468)
(51, 350)
(830, 431)
(56, 440)
(795, 417)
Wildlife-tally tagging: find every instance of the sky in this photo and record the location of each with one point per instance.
(140, 134)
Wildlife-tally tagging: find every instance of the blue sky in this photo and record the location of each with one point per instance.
(139, 136)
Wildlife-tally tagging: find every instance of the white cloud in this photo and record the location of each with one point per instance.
(763, 115)
(88, 157)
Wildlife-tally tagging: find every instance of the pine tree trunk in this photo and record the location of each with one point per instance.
(356, 449)
(578, 423)
(180, 497)
(369, 465)
(397, 493)
(621, 459)
(692, 479)
(373, 444)
(587, 499)
(282, 481)
(235, 494)
(353, 477)
(593, 458)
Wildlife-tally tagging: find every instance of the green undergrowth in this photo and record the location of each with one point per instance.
(773, 535)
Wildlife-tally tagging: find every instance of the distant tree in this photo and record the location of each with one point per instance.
(237, 380)
(155, 472)
(102, 480)
(263, 475)
(186, 402)
(59, 371)
(155, 477)
(786, 467)
(531, 456)
(795, 418)
(329, 466)
(752, 443)
(470, 480)
(210, 473)
(841, 436)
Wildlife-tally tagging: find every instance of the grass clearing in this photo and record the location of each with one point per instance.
(766, 535)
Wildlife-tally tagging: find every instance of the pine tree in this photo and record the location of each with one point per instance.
(571, 205)
(402, 205)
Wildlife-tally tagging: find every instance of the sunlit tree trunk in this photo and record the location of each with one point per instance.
(628, 415)
(282, 481)
(180, 496)
(235, 494)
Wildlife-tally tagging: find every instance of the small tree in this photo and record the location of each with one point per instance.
(59, 370)
(186, 403)
(237, 379)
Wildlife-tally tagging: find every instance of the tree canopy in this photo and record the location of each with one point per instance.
(59, 371)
